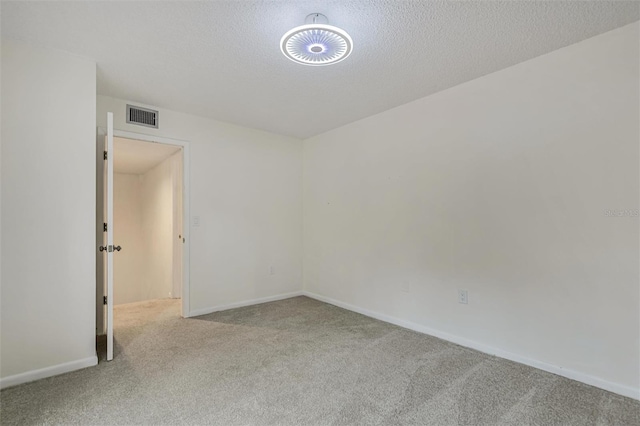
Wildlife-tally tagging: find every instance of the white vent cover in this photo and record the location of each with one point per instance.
(142, 116)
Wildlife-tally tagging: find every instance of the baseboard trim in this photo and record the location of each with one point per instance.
(42, 373)
(205, 311)
(560, 371)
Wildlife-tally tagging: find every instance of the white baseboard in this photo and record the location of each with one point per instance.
(42, 373)
(560, 371)
(204, 311)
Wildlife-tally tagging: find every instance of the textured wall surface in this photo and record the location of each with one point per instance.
(222, 59)
(500, 186)
(48, 209)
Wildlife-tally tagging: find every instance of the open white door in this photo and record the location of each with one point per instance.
(109, 247)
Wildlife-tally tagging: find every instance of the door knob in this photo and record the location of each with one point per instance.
(117, 248)
(103, 248)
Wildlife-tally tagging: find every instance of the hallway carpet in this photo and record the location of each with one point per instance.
(300, 362)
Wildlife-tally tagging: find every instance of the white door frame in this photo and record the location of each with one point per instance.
(186, 216)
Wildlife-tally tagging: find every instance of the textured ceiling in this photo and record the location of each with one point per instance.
(221, 59)
(138, 157)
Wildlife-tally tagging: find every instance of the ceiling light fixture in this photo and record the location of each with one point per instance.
(316, 43)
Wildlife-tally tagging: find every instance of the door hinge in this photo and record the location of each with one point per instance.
(105, 155)
(104, 300)
(104, 227)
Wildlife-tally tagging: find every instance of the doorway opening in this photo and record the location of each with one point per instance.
(142, 201)
(147, 221)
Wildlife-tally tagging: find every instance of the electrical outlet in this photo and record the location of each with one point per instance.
(272, 270)
(463, 297)
(196, 221)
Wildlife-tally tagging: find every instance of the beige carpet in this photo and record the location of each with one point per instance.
(301, 362)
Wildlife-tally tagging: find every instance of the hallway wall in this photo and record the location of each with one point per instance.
(129, 264)
(143, 217)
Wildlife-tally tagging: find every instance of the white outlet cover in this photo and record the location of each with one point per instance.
(463, 297)
(195, 220)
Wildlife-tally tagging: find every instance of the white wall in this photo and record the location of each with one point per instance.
(144, 228)
(498, 186)
(48, 212)
(130, 264)
(246, 188)
(157, 225)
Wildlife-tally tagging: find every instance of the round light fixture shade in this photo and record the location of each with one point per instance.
(316, 44)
